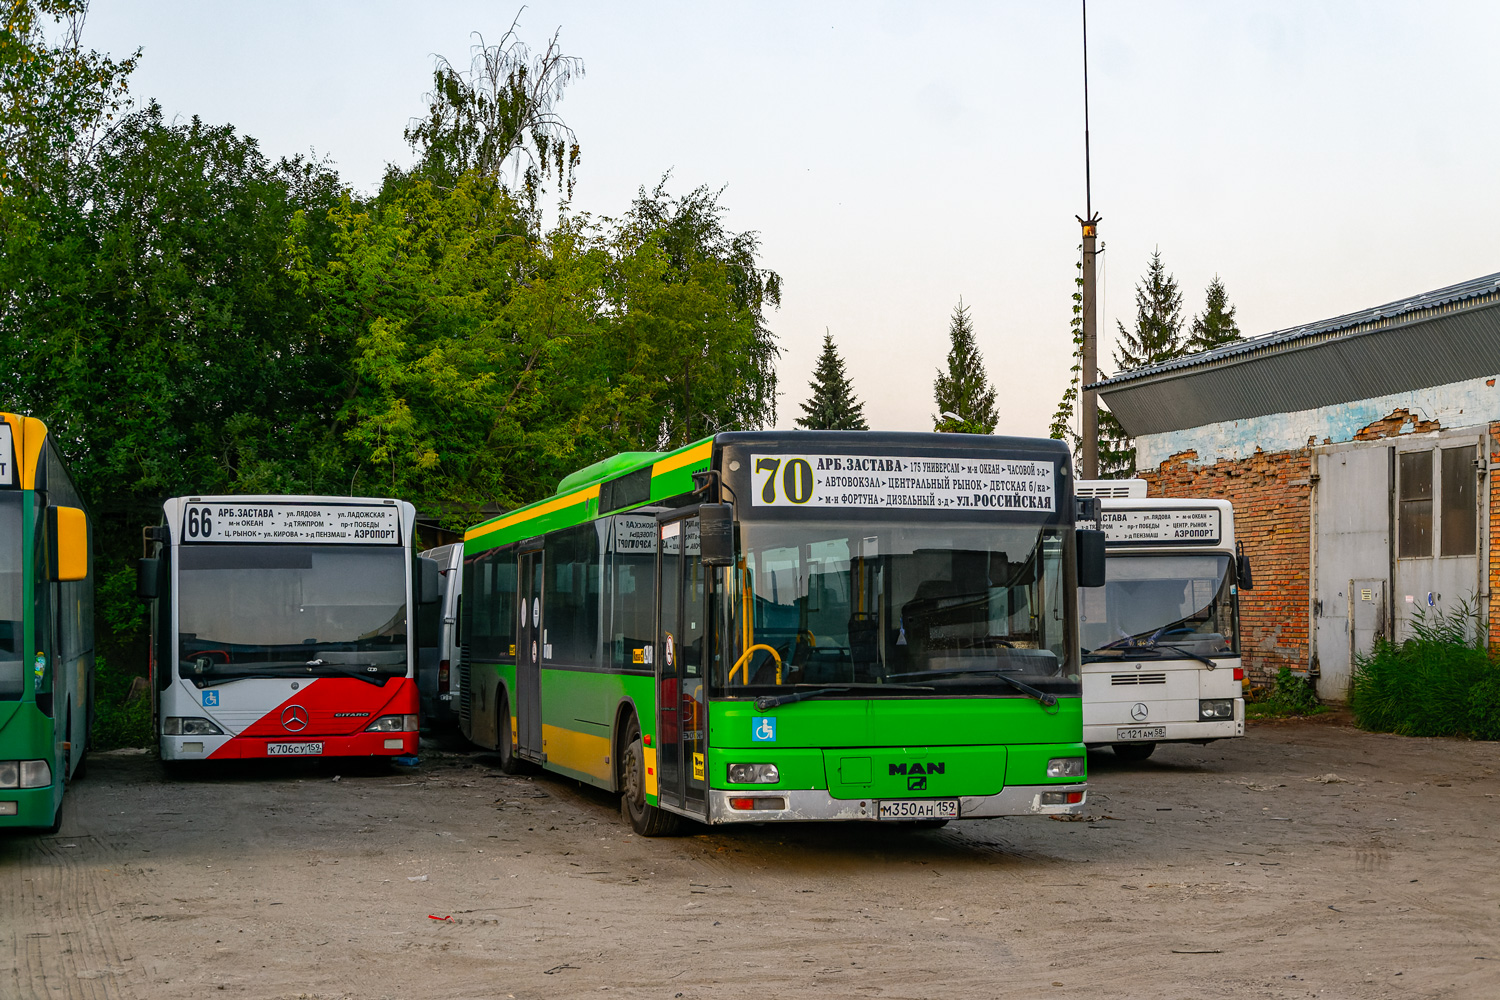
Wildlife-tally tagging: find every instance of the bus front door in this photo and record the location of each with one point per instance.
(682, 725)
(529, 653)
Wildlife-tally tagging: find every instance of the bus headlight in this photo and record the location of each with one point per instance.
(1065, 767)
(10, 773)
(35, 774)
(189, 726)
(1216, 708)
(753, 774)
(393, 724)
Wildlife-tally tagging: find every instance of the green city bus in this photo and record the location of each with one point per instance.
(798, 626)
(46, 627)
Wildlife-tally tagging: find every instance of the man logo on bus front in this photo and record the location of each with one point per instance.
(294, 719)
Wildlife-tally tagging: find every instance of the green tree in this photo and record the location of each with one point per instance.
(964, 397)
(56, 99)
(832, 405)
(1215, 326)
(501, 113)
(1155, 338)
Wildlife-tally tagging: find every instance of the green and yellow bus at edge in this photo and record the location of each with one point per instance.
(46, 627)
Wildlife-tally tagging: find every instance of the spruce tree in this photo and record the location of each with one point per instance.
(1216, 325)
(965, 400)
(832, 405)
(1156, 339)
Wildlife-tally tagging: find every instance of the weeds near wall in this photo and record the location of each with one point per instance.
(1290, 694)
(1443, 681)
(122, 709)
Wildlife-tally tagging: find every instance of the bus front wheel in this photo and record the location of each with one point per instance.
(646, 819)
(1134, 751)
(510, 761)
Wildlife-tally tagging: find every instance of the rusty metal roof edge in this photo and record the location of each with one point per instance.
(1473, 294)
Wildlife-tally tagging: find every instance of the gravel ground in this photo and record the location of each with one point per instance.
(1305, 860)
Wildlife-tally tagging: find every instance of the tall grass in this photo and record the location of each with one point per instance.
(1443, 681)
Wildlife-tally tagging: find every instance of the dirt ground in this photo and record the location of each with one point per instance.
(1306, 860)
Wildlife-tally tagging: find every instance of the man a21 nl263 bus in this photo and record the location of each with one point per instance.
(280, 626)
(1161, 657)
(790, 626)
(46, 627)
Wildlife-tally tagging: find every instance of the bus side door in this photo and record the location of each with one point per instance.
(682, 725)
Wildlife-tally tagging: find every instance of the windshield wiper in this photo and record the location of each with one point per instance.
(1042, 696)
(766, 701)
(1190, 655)
(218, 673)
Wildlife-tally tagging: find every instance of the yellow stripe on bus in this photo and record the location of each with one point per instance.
(671, 462)
(522, 516)
(577, 751)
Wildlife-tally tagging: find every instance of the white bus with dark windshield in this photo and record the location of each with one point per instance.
(279, 626)
(1161, 638)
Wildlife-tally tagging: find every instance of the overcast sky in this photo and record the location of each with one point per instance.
(1318, 157)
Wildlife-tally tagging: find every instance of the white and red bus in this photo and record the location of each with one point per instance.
(279, 626)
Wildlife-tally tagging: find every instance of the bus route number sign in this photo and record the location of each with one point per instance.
(251, 521)
(910, 482)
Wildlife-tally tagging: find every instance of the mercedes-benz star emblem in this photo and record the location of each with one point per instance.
(1139, 711)
(294, 718)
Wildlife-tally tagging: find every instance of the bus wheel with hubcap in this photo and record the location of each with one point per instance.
(510, 763)
(1134, 751)
(646, 819)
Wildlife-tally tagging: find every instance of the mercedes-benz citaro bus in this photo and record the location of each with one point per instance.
(279, 626)
(769, 626)
(1161, 639)
(46, 627)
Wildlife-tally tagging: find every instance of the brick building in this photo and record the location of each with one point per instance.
(1357, 453)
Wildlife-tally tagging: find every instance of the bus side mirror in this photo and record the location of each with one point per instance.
(1090, 557)
(1242, 568)
(716, 534)
(427, 582)
(147, 573)
(68, 530)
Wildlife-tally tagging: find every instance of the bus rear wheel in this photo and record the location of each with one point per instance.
(1134, 751)
(646, 819)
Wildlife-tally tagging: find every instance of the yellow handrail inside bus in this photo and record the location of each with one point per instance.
(742, 665)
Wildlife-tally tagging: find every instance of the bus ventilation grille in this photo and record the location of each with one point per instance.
(463, 687)
(1122, 680)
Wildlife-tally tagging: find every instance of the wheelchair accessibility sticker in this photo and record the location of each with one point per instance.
(210, 699)
(763, 729)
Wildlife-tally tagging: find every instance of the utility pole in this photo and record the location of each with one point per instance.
(1089, 459)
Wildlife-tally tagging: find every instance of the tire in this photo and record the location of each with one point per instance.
(646, 819)
(1134, 751)
(510, 762)
(927, 824)
(56, 820)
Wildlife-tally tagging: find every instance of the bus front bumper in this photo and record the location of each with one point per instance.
(260, 747)
(817, 806)
(27, 807)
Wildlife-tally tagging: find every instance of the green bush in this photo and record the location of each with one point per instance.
(1443, 681)
(1292, 694)
(119, 719)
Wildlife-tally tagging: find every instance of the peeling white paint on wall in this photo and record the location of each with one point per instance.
(1458, 404)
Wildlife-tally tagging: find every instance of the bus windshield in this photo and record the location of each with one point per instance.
(1167, 599)
(915, 609)
(12, 677)
(292, 610)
